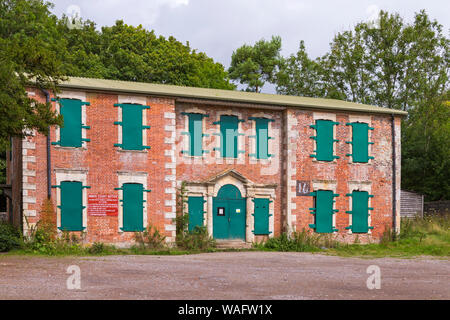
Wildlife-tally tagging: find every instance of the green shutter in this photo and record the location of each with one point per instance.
(262, 138)
(195, 206)
(70, 132)
(360, 142)
(229, 136)
(132, 126)
(71, 206)
(360, 212)
(324, 140)
(133, 206)
(323, 211)
(261, 216)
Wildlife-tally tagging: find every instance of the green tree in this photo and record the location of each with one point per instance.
(29, 49)
(125, 52)
(395, 65)
(256, 65)
(300, 74)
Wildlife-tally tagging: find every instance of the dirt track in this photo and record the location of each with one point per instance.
(227, 275)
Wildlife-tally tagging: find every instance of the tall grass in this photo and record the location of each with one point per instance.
(303, 241)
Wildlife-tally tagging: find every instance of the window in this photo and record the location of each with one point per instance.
(360, 142)
(195, 207)
(71, 206)
(323, 211)
(195, 133)
(71, 131)
(262, 138)
(261, 216)
(132, 127)
(324, 140)
(133, 207)
(360, 211)
(229, 136)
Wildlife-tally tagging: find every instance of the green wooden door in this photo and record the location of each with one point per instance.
(261, 216)
(229, 214)
(133, 206)
(71, 206)
(195, 206)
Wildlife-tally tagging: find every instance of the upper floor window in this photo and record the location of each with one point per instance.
(132, 127)
(195, 133)
(324, 140)
(229, 136)
(262, 138)
(360, 142)
(70, 133)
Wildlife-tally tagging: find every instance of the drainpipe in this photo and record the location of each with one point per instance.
(49, 181)
(394, 182)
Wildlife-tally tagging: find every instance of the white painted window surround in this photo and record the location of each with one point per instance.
(241, 139)
(326, 185)
(359, 186)
(122, 99)
(74, 95)
(325, 116)
(132, 177)
(71, 175)
(362, 119)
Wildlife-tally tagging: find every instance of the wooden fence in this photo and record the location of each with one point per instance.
(411, 204)
(437, 207)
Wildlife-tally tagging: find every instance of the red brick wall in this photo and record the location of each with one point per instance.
(258, 173)
(378, 172)
(102, 161)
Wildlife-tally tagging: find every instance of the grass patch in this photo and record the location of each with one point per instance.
(429, 236)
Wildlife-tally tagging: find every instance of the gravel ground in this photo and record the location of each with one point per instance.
(225, 275)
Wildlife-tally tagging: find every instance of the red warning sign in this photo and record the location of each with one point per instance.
(103, 205)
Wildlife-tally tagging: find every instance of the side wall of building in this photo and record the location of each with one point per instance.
(342, 175)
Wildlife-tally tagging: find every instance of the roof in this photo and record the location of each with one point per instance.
(221, 95)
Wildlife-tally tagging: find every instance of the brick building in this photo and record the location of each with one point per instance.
(254, 165)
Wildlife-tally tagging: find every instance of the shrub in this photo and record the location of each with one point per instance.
(299, 241)
(150, 238)
(196, 239)
(9, 237)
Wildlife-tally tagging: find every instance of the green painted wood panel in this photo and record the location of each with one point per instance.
(70, 132)
(262, 138)
(132, 127)
(261, 216)
(360, 211)
(133, 207)
(71, 206)
(324, 211)
(360, 142)
(229, 136)
(195, 134)
(195, 209)
(324, 140)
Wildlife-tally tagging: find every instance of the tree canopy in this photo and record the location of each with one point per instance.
(29, 50)
(125, 52)
(395, 65)
(257, 64)
(37, 46)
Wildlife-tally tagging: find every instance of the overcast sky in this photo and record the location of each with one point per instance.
(219, 27)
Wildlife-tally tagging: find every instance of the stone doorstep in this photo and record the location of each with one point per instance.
(233, 244)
